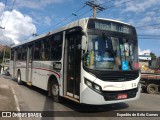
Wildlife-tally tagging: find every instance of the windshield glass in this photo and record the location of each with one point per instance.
(111, 52)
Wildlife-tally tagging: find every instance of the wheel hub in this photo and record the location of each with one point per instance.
(18, 77)
(55, 89)
(152, 89)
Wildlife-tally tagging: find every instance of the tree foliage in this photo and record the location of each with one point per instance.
(7, 54)
(153, 56)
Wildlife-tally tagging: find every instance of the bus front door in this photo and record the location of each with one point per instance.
(73, 60)
(29, 66)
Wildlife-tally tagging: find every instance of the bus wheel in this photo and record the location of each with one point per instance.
(19, 78)
(152, 89)
(55, 92)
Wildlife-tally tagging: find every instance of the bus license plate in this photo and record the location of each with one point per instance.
(122, 96)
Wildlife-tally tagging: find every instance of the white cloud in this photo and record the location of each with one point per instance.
(2, 6)
(99, 1)
(18, 27)
(146, 19)
(146, 14)
(38, 4)
(47, 20)
(143, 52)
(5, 40)
(137, 5)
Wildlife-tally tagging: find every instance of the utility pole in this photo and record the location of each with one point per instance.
(95, 7)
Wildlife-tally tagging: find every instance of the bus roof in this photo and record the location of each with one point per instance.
(79, 22)
(114, 21)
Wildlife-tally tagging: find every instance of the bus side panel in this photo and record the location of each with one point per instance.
(40, 74)
(39, 78)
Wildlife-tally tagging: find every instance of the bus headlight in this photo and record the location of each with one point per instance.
(88, 83)
(97, 87)
(92, 85)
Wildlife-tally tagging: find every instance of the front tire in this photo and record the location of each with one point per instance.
(19, 81)
(152, 88)
(54, 89)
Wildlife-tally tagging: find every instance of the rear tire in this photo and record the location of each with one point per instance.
(152, 88)
(54, 89)
(19, 81)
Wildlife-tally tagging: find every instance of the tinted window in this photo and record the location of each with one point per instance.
(37, 50)
(45, 49)
(19, 53)
(56, 46)
(12, 54)
(24, 52)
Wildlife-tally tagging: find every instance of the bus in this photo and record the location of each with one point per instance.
(89, 61)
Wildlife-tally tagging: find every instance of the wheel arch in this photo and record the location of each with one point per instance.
(19, 81)
(18, 71)
(52, 78)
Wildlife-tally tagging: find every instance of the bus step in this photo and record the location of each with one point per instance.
(29, 83)
(71, 98)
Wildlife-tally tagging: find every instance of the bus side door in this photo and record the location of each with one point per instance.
(73, 63)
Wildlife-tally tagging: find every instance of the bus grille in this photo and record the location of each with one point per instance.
(112, 95)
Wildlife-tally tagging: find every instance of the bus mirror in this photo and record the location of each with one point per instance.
(84, 41)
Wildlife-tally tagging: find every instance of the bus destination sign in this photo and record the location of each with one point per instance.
(110, 26)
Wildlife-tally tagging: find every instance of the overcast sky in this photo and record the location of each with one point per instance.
(40, 16)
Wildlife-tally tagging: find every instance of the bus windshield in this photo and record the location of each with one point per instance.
(111, 53)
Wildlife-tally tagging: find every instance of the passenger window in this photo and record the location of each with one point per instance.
(37, 50)
(12, 54)
(45, 49)
(56, 46)
(19, 55)
(24, 52)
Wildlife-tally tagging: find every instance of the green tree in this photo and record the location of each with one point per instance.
(153, 56)
(7, 54)
(1, 56)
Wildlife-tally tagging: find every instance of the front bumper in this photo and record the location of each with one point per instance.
(89, 96)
